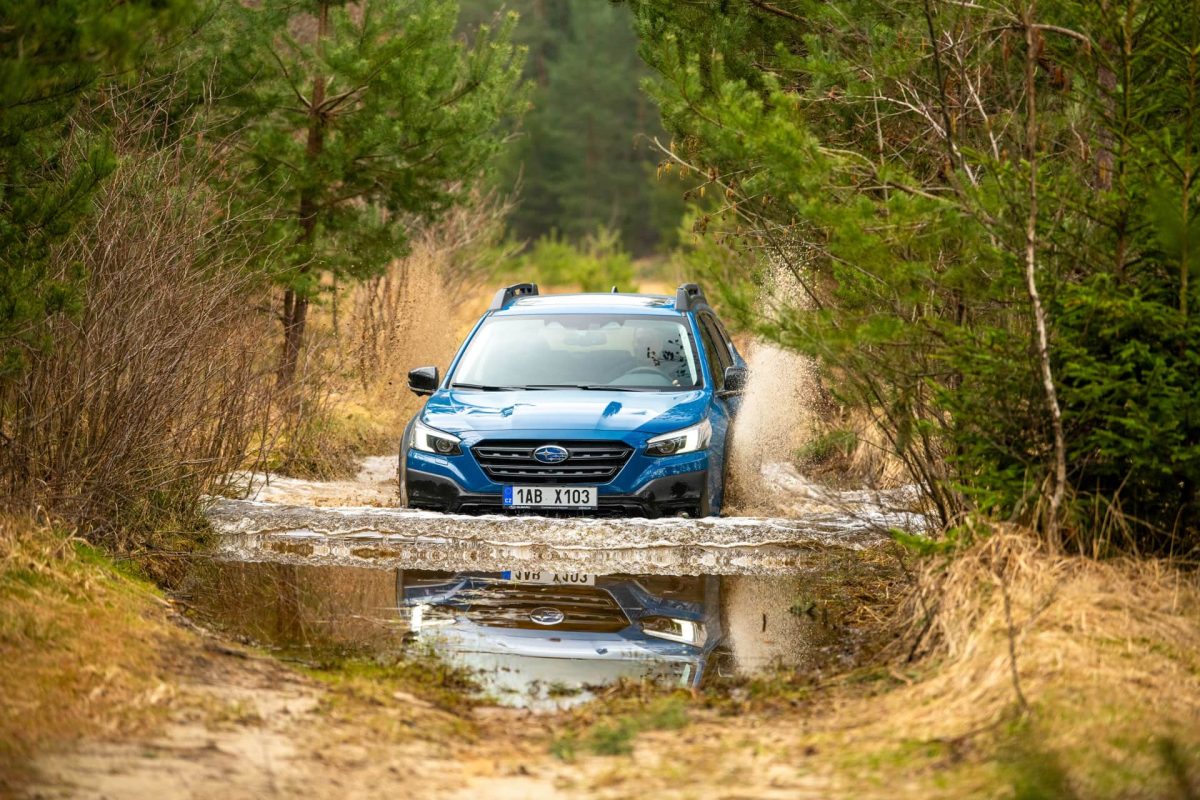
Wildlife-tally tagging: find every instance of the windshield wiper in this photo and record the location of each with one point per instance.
(592, 387)
(484, 387)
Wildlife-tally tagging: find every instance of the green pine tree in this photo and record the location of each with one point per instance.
(360, 119)
(51, 55)
(918, 166)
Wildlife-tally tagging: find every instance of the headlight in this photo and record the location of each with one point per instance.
(431, 440)
(423, 616)
(687, 440)
(675, 630)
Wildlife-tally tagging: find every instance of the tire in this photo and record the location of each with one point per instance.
(705, 507)
(402, 466)
(724, 475)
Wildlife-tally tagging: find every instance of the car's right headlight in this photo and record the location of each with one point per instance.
(431, 440)
(685, 440)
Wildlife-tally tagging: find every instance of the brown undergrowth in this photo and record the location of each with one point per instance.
(365, 337)
(152, 392)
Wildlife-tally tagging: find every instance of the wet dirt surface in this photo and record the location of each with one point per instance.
(542, 610)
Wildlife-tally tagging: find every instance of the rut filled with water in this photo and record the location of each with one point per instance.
(542, 612)
(537, 638)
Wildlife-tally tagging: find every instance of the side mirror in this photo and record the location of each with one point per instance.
(423, 380)
(736, 379)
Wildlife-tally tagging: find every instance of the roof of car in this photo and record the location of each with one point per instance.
(596, 303)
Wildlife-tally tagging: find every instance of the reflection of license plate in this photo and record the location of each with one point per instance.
(549, 578)
(550, 496)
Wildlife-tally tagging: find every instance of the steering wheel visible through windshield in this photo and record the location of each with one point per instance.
(641, 353)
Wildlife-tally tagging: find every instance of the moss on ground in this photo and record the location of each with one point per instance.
(610, 727)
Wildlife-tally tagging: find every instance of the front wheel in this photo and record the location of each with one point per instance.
(705, 508)
(402, 466)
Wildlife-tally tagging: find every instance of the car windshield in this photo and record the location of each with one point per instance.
(588, 351)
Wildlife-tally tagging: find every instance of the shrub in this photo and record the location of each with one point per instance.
(595, 264)
(153, 393)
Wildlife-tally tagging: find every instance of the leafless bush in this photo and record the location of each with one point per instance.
(155, 392)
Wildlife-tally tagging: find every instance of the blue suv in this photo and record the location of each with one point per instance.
(616, 404)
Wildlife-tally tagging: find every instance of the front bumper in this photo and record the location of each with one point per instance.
(665, 496)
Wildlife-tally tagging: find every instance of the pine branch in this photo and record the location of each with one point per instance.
(776, 10)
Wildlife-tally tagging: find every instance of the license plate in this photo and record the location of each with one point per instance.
(550, 496)
(549, 578)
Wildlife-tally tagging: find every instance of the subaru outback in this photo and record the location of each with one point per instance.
(615, 404)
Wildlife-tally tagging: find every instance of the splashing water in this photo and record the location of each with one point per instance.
(781, 406)
(776, 418)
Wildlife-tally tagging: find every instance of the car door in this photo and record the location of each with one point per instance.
(712, 331)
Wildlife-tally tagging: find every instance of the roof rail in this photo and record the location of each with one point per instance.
(688, 296)
(510, 292)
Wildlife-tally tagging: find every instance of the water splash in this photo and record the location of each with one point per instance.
(781, 407)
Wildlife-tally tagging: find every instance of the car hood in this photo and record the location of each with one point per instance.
(460, 410)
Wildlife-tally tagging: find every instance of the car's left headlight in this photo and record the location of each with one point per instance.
(675, 630)
(687, 440)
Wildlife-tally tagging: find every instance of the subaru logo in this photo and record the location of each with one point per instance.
(551, 454)
(546, 616)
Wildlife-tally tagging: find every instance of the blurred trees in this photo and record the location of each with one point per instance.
(583, 160)
(925, 168)
(595, 264)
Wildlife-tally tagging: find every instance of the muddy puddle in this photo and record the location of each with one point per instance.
(284, 524)
(537, 638)
(542, 612)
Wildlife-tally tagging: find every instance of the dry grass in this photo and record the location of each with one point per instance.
(368, 335)
(849, 447)
(1108, 664)
(79, 646)
(1077, 676)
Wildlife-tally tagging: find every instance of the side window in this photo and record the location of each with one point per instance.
(714, 349)
(725, 337)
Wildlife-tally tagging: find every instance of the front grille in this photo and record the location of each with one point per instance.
(508, 605)
(588, 462)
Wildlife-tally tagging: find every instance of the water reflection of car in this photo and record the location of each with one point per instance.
(613, 404)
(530, 641)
